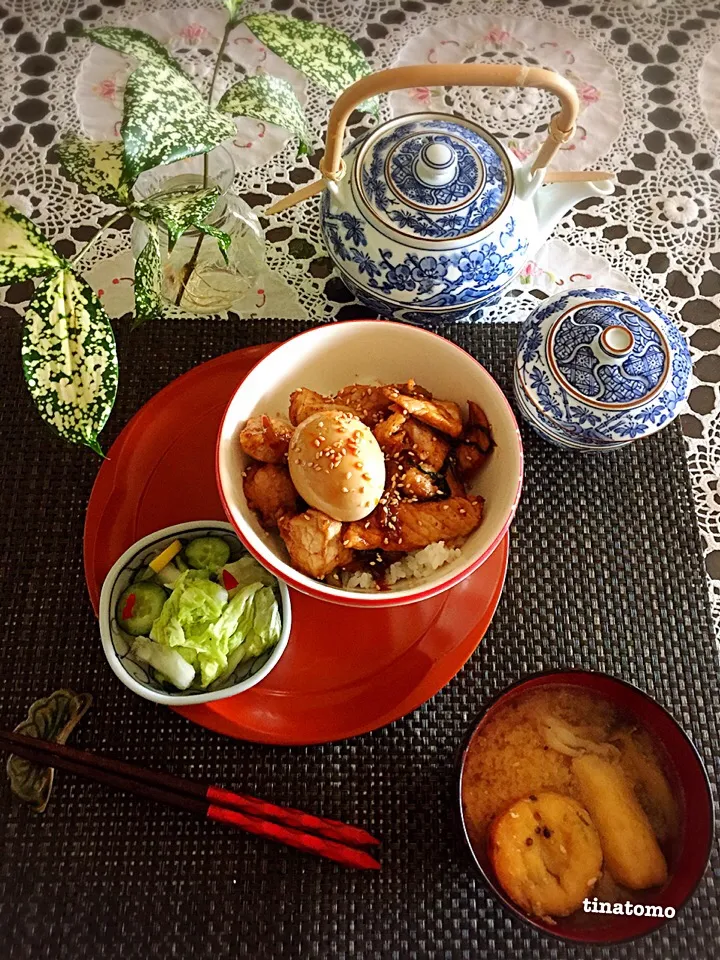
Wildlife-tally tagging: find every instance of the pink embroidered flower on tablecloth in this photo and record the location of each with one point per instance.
(193, 33)
(421, 94)
(106, 89)
(497, 36)
(530, 270)
(518, 150)
(588, 93)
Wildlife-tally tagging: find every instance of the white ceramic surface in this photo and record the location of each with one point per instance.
(328, 358)
(114, 641)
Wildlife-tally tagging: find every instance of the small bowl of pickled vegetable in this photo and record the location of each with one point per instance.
(187, 615)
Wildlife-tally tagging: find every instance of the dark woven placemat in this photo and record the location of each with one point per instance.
(605, 573)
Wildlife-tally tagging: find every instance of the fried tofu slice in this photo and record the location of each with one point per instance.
(270, 492)
(442, 415)
(266, 438)
(546, 853)
(632, 853)
(314, 542)
(415, 525)
(304, 403)
(476, 444)
(400, 433)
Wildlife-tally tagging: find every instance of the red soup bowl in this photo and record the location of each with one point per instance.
(328, 358)
(688, 855)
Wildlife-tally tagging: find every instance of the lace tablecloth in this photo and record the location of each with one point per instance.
(648, 75)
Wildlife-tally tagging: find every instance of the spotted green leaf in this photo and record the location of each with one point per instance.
(69, 358)
(96, 166)
(271, 100)
(323, 54)
(233, 9)
(132, 43)
(24, 251)
(166, 119)
(179, 210)
(148, 280)
(223, 239)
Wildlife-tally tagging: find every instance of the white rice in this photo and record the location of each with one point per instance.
(415, 566)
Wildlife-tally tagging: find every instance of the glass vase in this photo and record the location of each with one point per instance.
(210, 285)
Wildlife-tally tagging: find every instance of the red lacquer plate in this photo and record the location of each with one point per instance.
(346, 670)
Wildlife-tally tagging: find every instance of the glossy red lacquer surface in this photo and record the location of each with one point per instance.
(346, 670)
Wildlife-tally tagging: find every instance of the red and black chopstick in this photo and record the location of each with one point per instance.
(326, 838)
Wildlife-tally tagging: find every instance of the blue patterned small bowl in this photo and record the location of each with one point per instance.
(116, 643)
(596, 369)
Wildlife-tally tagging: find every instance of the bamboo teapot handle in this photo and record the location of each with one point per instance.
(560, 130)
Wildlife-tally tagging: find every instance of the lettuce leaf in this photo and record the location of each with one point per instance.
(247, 570)
(192, 604)
(213, 632)
(267, 623)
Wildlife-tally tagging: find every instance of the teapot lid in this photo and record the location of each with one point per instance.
(432, 177)
(601, 366)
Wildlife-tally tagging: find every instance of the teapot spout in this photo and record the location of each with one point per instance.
(561, 191)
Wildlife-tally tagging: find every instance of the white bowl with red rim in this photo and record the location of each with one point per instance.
(330, 357)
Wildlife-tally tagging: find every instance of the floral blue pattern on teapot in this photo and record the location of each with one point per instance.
(596, 369)
(434, 219)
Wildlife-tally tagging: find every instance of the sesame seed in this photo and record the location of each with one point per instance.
(348, 475)
(359, 465)
(386, 541)
(361, 489)
(297, 459)
(446, 506)
(321, 423)
(316, 441)
(366, 476)
(345, 490)
(463, 512)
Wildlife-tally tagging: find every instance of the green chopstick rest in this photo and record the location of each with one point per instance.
(50, 718)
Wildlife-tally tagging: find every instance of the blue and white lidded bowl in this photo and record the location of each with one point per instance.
(596, 369)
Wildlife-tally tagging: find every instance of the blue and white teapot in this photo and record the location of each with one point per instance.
(427, 217)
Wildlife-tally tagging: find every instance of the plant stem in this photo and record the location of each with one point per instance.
(192, 262)
(83, 250)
